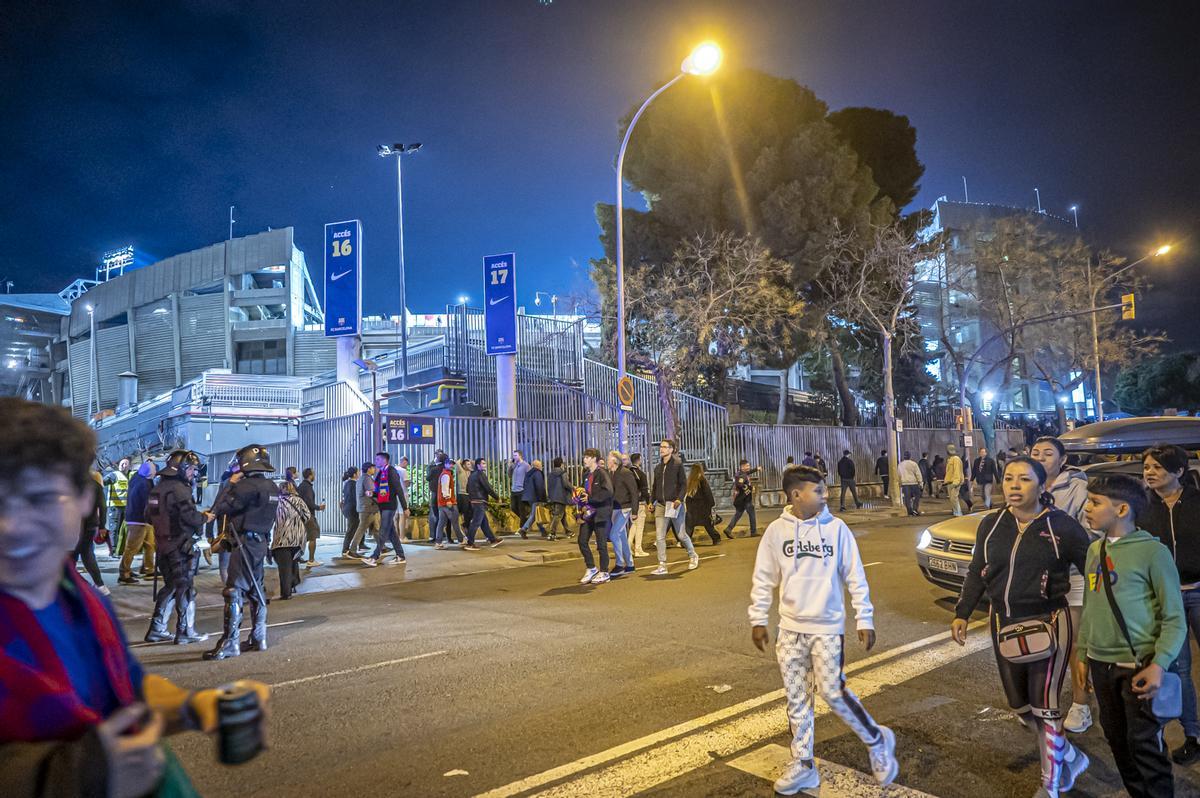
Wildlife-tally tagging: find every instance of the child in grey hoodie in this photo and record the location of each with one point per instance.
(810, 556)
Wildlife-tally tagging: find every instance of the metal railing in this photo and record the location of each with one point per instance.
(251, 390)
(547, 347)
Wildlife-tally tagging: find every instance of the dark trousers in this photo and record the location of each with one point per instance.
(849, 485)
(708, 527)
(912, 498)
(887, 484)
(748, 509)
(289, 569)
(597, 525)
(479, 520)
(86, 549)
(1133, 733)
(519, 507)
(387, 531)
(351, 517)
(929, 485)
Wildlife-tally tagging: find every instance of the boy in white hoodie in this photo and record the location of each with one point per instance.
(810, 556)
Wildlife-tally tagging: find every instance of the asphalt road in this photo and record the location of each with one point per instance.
(522, 682)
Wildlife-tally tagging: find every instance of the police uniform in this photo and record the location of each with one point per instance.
(171, 508)
(250, 505)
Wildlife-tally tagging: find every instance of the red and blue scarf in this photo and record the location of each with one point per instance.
(38, 703)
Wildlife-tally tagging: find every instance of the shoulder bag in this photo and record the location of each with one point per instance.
(1167, 702)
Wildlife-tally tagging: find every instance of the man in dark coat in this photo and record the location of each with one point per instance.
(171, 508)
(534, 494)
(846, 476)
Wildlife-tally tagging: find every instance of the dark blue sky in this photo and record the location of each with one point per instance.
(142, 122)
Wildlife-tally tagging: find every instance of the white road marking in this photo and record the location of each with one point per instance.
(837, 781)
(650, 768)
(360, 668)
(868, 565)
(144, 644)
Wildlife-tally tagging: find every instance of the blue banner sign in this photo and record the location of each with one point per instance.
(408, 429)
(343, 278)
(500, 303)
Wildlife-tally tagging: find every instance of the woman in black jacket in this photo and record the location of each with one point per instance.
(349, 507)
(699, 501)
(1022, 561)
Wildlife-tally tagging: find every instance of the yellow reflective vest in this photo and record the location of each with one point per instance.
(118, 488)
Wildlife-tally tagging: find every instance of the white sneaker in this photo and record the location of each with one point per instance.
(370, 562)
(883, 758)
(313, 564)
(104, 591)
(796, 777)
(600, 578)
(1079, 719)
(1073, 769)
(641, 554)
(397, 560)
(661, 570)
(693, 562)
(589, 575)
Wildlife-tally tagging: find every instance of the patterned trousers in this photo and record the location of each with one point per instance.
(812, 664)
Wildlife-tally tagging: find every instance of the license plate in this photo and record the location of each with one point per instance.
(949, 566)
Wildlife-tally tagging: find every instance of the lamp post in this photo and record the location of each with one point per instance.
(91, 359)
(1074, 209)
(387, 151)
(1094, 292)
(373, 367)
(704, 59)
(537, 300)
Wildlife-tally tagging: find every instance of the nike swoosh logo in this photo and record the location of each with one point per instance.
(339, 276)
(497, 301)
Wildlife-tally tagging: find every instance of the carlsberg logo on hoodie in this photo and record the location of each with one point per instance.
(811, 562)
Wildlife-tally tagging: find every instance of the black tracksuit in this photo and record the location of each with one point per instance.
(599, 488)
(1179, 530)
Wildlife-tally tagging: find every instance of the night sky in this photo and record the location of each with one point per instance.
(142, 123)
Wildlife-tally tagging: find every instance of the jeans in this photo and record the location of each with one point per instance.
(985, 488)
(953, 491)
(619, 535)
(532, 519)
(447, 517)
(1132, 731)
(351, 517)
(661, 522)
(596, 525)
(479, 519)
(1183, 664)
(748, 509)
(852, 486)
(912, 497)
(387, 531)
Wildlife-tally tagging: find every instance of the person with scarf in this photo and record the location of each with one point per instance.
(80, 715)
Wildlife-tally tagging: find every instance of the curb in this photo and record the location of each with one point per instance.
(543, 557)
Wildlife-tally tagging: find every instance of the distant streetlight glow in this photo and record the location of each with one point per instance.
(1163, 250)
(704, 59)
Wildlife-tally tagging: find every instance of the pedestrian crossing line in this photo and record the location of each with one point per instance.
(144, 644)
(869, 564)
(837, 781)
(663, 755)
(359, 669)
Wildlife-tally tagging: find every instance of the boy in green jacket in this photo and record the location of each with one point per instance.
(1145, 586)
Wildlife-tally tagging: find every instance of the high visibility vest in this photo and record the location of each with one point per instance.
(118, 489)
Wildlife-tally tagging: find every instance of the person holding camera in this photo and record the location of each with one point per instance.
(81, 717)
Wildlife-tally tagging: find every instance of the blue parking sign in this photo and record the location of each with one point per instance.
(500, 303)
(343, 278)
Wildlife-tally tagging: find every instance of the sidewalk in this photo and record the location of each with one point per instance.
(423, 562)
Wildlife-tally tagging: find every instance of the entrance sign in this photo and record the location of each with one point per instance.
(625, 393)
(408, 429)
(343, 278)
(500, 304)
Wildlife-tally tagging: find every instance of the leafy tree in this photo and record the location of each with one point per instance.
(887, 143)
(1155, 384)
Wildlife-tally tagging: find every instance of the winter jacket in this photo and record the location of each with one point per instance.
(558, 487)
(535, 486)
(699, 505)
(1145, 586)
(743, 491)
(984, 471)
(1070, 493)
(846, 469)
(1025, 574)
(290, 518)
(926, 471)
(642, 483)
(349, 499)
(446, 494)
(910, 473)
(366, 494)
(669, 482)
(433, 473)
(1179, 529)
(954, 470)
(810, 561)
(395, 489)
(308, 493)
(479, 488)
(881, 467)
(625, 489)
(136, 497)
(599, 488)
(939, 468)
(461, 477)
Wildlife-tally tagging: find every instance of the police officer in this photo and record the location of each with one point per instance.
(171, 508)
(250, 504)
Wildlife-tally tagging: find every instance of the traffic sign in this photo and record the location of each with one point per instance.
(408, 429)
(899, 425)
(625, 392)
(343, 278)
(500, 304)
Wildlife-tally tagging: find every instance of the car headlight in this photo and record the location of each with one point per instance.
(925, 539)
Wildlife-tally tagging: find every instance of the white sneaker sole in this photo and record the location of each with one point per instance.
(889, 742)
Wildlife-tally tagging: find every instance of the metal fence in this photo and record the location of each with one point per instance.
(551, 348)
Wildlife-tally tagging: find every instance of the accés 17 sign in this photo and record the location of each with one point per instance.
(500, 303)
(343, 278)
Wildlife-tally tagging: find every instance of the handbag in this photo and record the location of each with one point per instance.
(1167, 702)
(717, 520)
(1026, 641)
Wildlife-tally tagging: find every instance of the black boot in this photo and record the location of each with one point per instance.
(158, 622)
(258, 627)
(228, 645)
(185, 627)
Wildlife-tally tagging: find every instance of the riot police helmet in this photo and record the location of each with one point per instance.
(255, 458)
(179, 460)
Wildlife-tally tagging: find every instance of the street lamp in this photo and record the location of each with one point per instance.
(703, 60)
(373, 367)
(1095, 292)
(387, 151)
(537, 300)
(91, 359)
(1074, 209)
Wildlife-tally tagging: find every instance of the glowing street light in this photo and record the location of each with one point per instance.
(704, 59)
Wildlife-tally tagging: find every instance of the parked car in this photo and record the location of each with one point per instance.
(944, 549)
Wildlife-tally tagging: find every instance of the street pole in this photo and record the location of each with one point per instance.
(403, 293)
(91, 361)
(1099, 392)
(375, 419)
